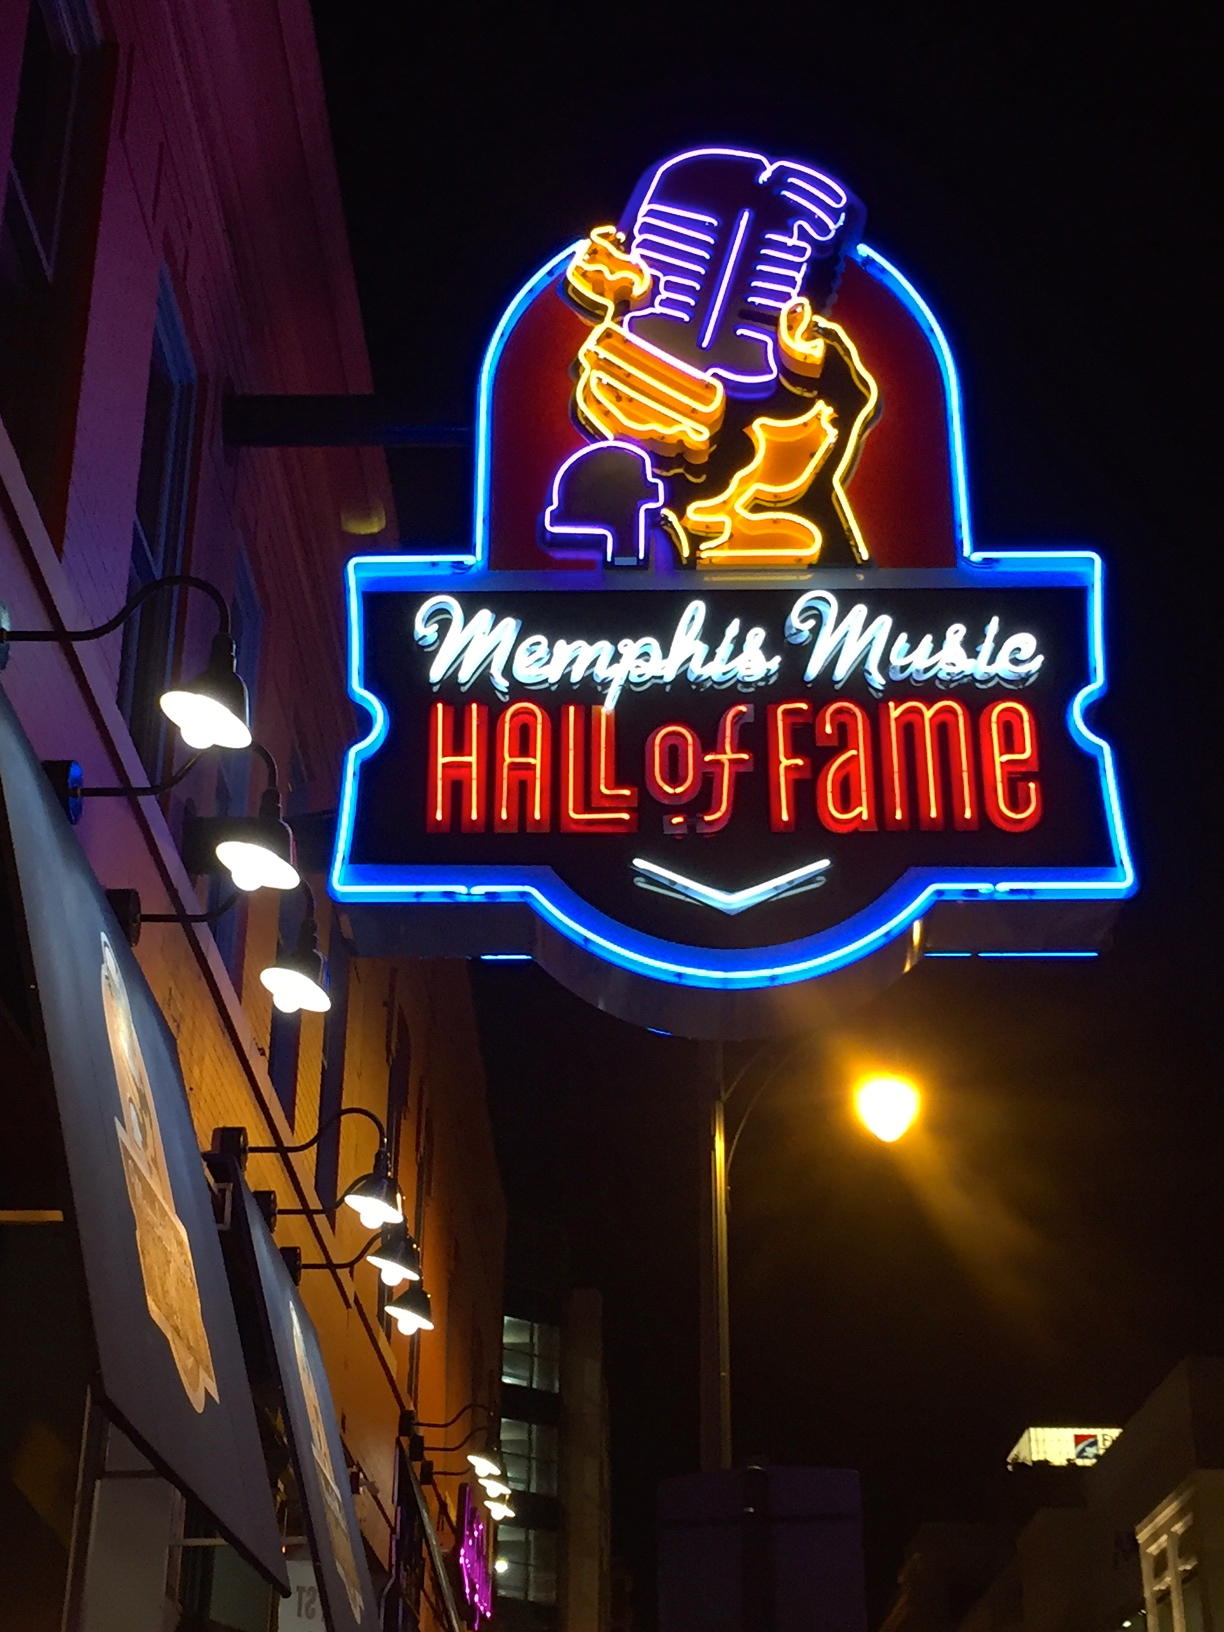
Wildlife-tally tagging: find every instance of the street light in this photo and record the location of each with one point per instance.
(887, 1106)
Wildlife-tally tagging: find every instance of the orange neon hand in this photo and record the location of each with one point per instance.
(743, 525)
(627, 387)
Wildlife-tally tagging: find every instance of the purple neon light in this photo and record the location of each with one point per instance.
(474, 1570)
(770, 219)
(588, 529)
(732, 261)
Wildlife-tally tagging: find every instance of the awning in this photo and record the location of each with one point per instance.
(169, 1358)
(283, 1349)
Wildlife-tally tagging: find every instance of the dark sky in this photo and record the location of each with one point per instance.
(1049, 1247)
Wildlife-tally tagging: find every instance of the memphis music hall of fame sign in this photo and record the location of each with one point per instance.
(724, 699)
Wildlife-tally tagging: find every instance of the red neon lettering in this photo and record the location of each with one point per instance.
(785, 768)
(523, 759)
(603, 807)
(726, 762)
(673, 764)
(845, 788)
(1009, 749)
(451, 768)
(919, 724)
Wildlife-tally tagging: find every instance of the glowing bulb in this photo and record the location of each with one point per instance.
(291, 990)
(485, 1466)
(203, 722)
(255, 867)
(499, 1511)
(500, 1566)
(887, 1106)
(496, 1489)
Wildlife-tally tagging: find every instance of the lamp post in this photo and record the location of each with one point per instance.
(887, 1107)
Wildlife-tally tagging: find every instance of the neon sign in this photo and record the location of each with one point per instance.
(472, 1553)
(724, 699)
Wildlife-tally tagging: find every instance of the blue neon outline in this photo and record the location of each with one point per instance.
(868, 930)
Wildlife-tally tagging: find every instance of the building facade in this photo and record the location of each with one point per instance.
(171, 234)
(1134, 1540)
(554, 1556)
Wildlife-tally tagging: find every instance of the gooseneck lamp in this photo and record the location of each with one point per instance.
(296, 981)
(258, 852)
(412, 1311)
(391, 1251)
(210, 711)
(374, 1196)
(397, 1257)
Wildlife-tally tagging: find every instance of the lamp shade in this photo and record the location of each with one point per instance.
(397, 1256)
(211, 710)
(412, 1311)
(486, 1465)
(258, 851)
(296, 980)
(500, 1511)
(496, 1489)
(375, 1197)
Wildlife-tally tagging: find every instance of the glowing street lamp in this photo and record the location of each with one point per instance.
(887, 1106)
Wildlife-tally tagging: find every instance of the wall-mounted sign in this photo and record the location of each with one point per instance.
(169, 1357)
(1062, 1447)
(724, 698)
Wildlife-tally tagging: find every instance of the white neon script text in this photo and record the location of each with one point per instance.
(844, 643)
(471, 646)
(468, 647)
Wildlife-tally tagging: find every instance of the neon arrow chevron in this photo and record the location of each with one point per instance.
(733, 902)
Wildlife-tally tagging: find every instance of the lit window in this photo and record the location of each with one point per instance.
(531, 1355)
(531, 1558)
(530, 1453)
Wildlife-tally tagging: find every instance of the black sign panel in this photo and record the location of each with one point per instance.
(168, 1349)
(725, 765)
(318, 1455)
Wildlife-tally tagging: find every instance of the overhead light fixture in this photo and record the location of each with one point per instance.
(375, 1197)
(499, 1511)
(295, 981)
(486, 1466)
(500, 1566)
(211, 711)
(412, 1310)
(258, 851)
(397, 1256)
(496, 1488)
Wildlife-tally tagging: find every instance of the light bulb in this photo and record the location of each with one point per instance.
(485, 1466)
(887, 1106)
(500, 1566)
(291, 990)
(496, 1489)
(499, 1511)
(203, 722)
(255, 867)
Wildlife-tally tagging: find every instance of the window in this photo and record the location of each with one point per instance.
(285, 1035)
(158, 531)
(531, 1557)
(531, 1354)
(53, 181)
(1168, 1553)
(530, 1452)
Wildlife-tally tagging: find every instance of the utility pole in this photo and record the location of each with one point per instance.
(715, 1381)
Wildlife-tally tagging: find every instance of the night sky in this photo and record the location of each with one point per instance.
(1049, 1245)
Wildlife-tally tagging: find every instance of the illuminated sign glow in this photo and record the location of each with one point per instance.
(764, 772)
(475, 1576)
